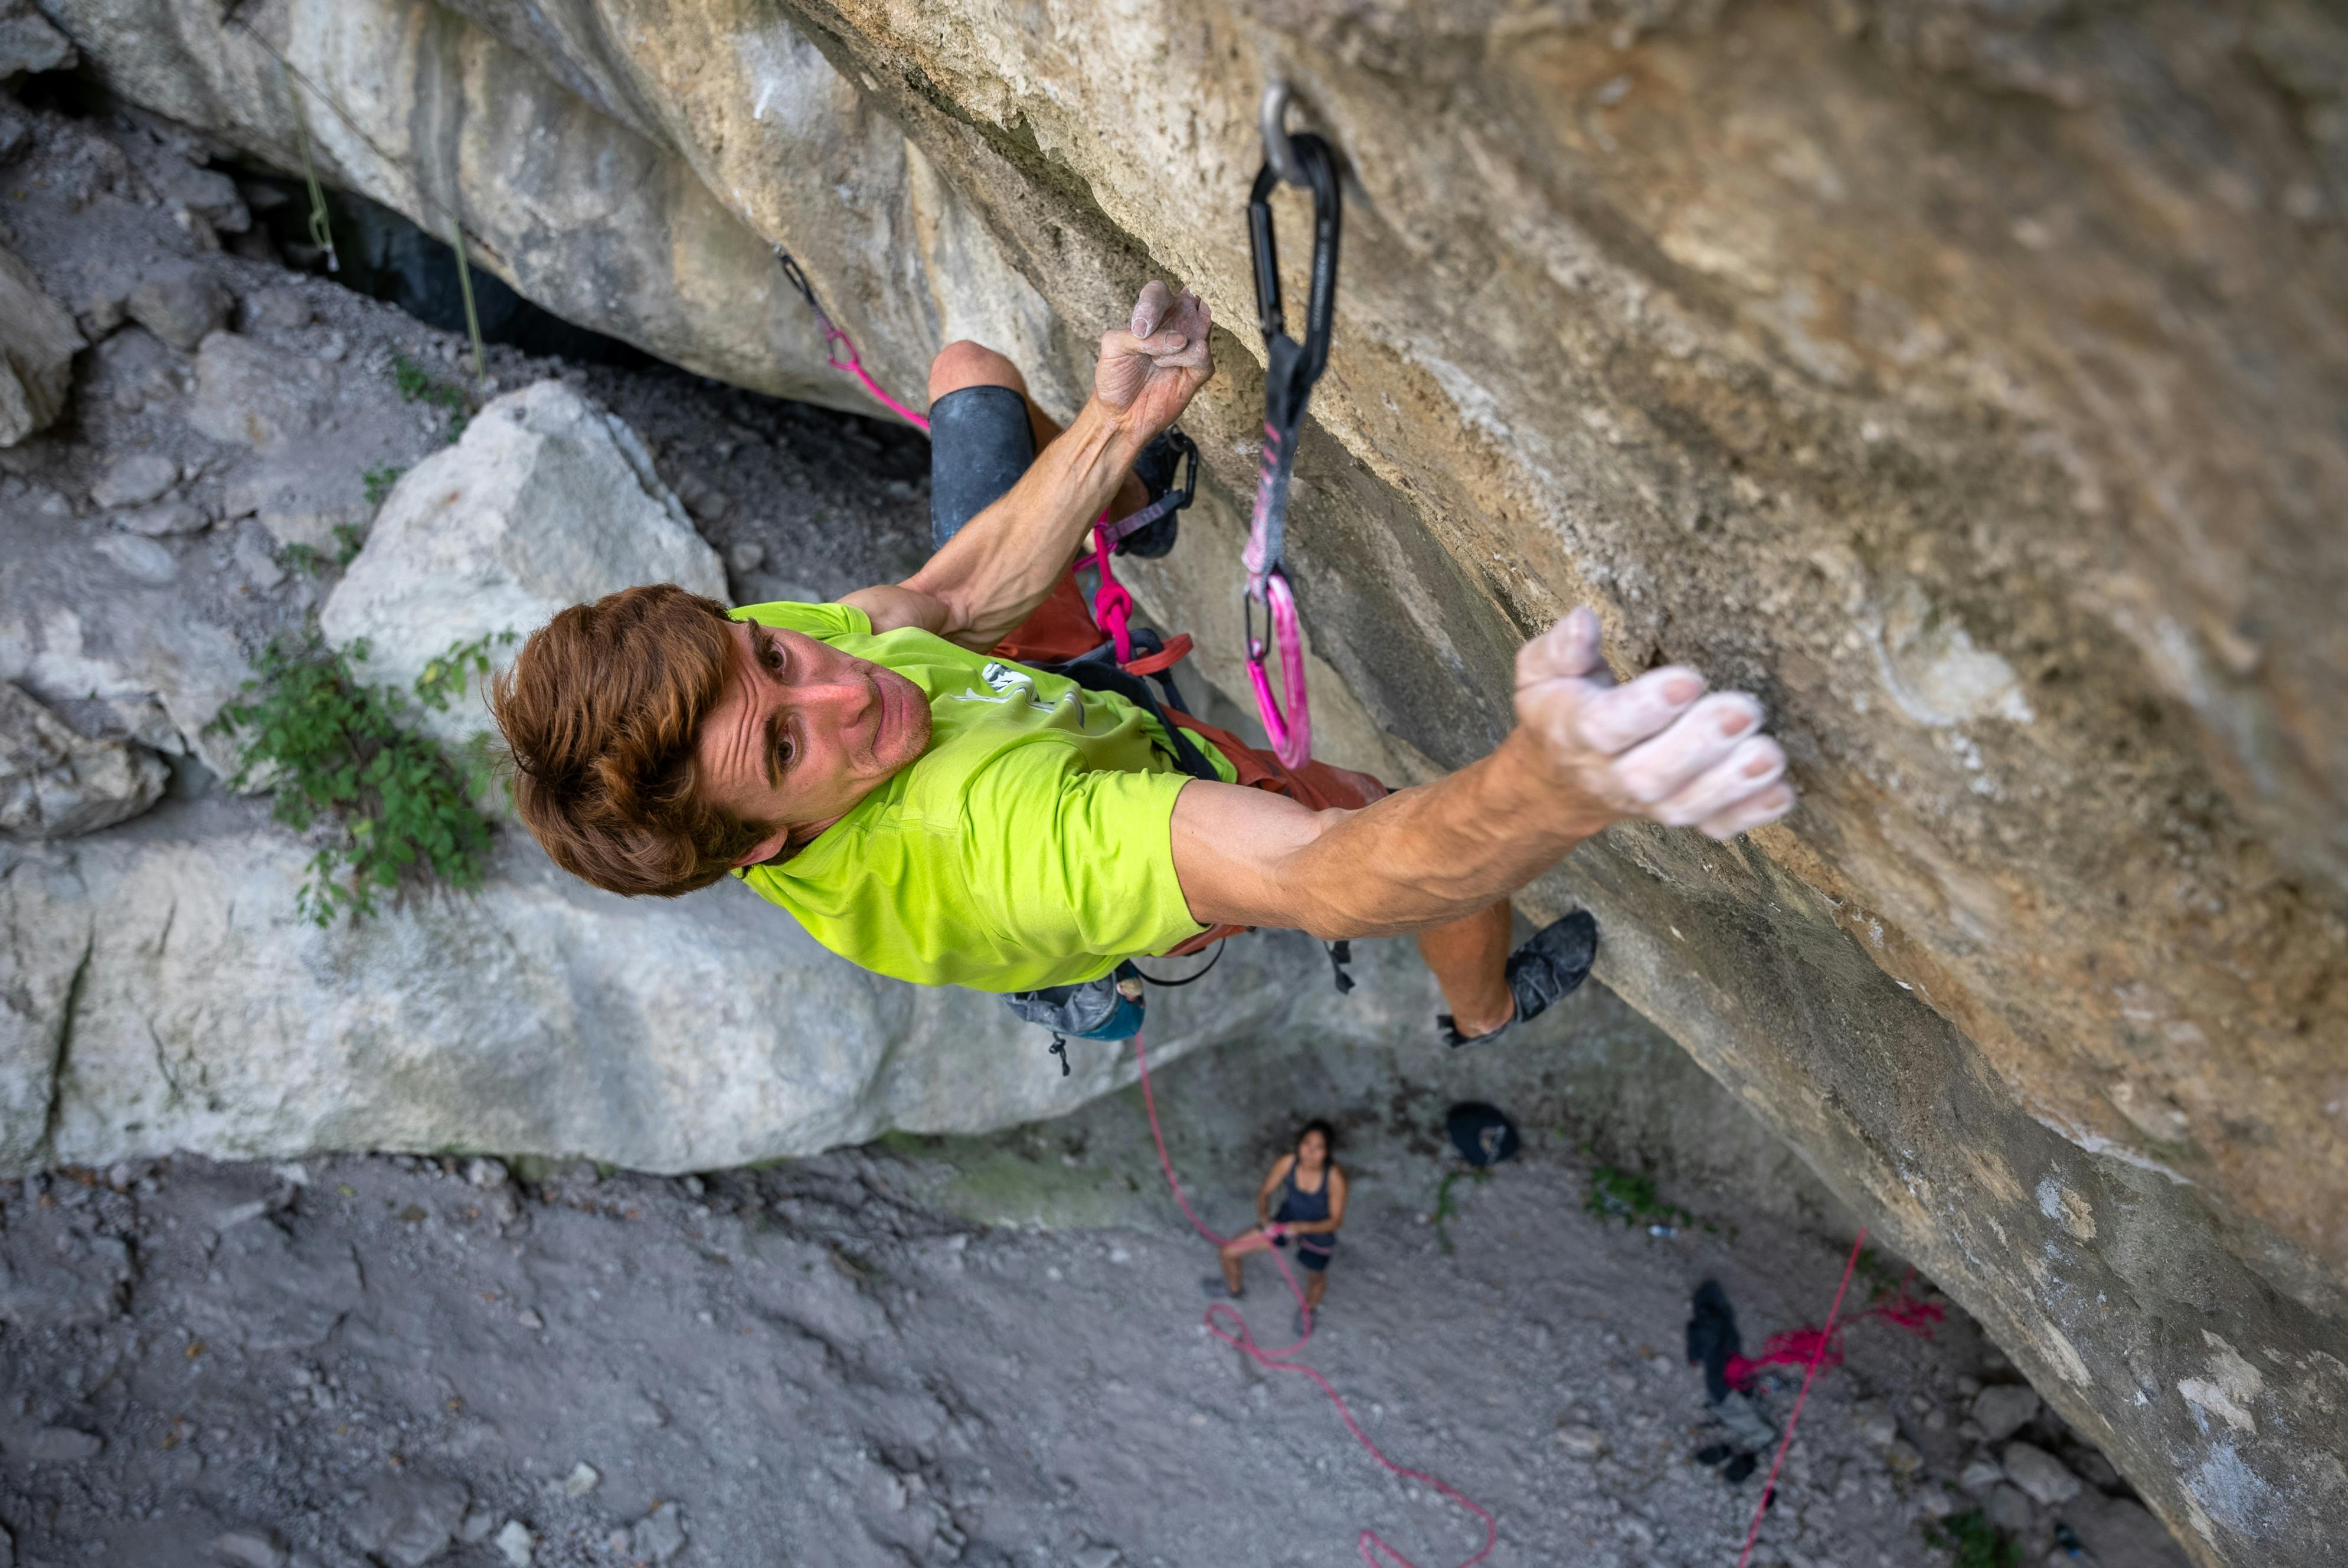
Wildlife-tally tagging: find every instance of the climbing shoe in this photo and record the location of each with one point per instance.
(1168, 453)
(1213, 1288)
(1543, 971)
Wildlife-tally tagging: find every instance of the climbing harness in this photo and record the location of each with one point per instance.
(1289, 370)
(1226, 1324)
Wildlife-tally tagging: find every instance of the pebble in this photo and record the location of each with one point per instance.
(157, 521)
(1875, 1422)
(60, 1445)
(1582, 1442)
(485, 1173)
(139, 558)
(582, 1479)
(516, 1544)
(746, 557)
(135, 480)
(2003, 1410)
(529, 1318)
(1902, 1459)
(248, 1549)
(659, 1535)
(2008, 1508)
(2039, 1473)
(1980, 1475)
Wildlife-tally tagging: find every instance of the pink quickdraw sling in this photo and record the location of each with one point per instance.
(1289, 370)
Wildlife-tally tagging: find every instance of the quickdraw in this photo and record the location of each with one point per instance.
(854, 362)
(1290, 368)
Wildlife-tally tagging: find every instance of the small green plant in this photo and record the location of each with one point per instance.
(349, 539)
(418, 384)
(1976, 1543)
(335, 750)
(304, 559)
(380, 480)
(1446, 1210)
(442, 679)
(1629, 1196)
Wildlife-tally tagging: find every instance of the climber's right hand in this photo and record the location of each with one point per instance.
(1150, 368)
(1655, 747)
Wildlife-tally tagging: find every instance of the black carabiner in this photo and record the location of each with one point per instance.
(1293, 367)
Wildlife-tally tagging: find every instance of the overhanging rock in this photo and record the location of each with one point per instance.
(1964, 380)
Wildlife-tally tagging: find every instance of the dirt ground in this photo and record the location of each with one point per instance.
(843, 1361)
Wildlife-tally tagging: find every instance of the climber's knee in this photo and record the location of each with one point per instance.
(965, 363)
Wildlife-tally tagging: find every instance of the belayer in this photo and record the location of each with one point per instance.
(934, 809)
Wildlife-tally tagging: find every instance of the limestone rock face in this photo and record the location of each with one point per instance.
(37, 342)
(56, 782)
(1963, 379)
(166, 995)
(546, 502)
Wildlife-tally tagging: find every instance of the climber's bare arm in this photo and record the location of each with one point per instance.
(1585, 752)
(991, 575)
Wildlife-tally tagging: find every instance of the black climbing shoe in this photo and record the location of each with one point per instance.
(1303, 1324)
(1737, 1469)
(1716, 1454)
(1216, 1290)
(1543, 971)
(1167, 453)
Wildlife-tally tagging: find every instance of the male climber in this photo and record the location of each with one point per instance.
(937, 813)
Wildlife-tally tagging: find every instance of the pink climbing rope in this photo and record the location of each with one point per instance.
(1112, 601)
(1799, 1346)
(1817, 1353)
(1239, 1337)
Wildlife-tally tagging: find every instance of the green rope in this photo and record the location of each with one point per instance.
(472, 318)
(322, 230)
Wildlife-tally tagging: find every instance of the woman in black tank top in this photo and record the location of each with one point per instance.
(1299, 1207)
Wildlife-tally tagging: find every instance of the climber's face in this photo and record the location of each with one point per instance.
(1312, 1151)
(802, 732)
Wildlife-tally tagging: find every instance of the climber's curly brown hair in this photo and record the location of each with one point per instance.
(599, 713)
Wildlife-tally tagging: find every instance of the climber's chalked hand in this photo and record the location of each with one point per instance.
(1151, 367)
(1655, 747)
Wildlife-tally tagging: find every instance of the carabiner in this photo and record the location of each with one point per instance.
(1293, 367)
(1291, 731)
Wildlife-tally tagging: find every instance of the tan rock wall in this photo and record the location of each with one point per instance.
(1967, 381)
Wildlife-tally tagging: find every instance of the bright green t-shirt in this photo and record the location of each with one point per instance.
(1030, 843)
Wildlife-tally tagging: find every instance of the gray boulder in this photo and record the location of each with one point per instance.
(28, 42)
(56, 782)
(135, 479)
(256, 397)
(2003, 1410)
(536, 1016)
(181, 302)
(546, 502)
(37, 342)
(2039, 1473)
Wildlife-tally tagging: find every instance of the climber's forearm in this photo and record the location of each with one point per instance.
(1418, 858)
(995, 572)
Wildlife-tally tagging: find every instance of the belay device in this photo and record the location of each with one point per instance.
(1289, 370)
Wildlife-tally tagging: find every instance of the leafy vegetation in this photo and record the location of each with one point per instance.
(418, 384)
(1629, 1196)
(1976, 1543)
(312, 561)
(335, 751)
(1445, 1210)
(380, 479)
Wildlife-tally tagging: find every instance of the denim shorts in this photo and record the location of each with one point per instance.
(980, 443)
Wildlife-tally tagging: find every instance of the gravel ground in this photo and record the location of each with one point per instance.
(842, 1361)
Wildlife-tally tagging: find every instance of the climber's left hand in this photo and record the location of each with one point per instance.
(1151, 367)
